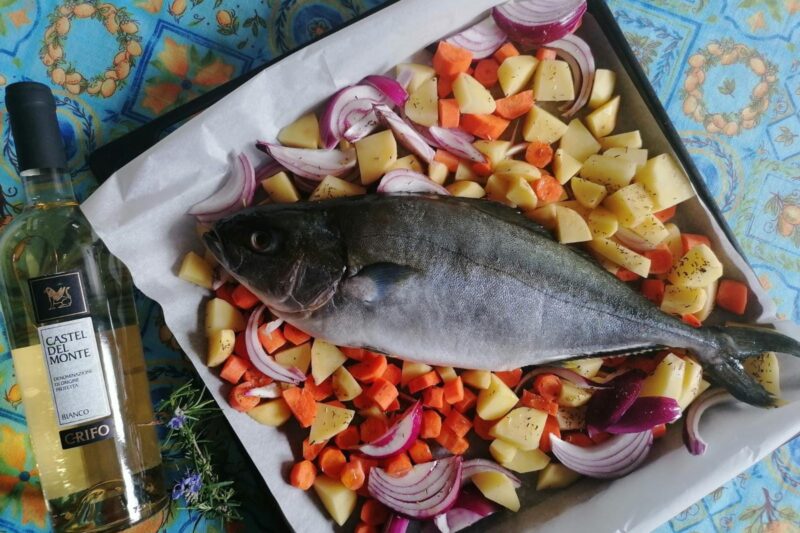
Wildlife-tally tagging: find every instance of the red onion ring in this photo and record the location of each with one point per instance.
(538, 22)
(578, 54)
(468, 509)
(476, 466)
(482, 39)
(616, 457)
(236, 194)
(391, 89)
(311, 164)
(404, 180)
(428, 490)
(398, 438)
(457, 142)
(405, 134)
(691, 425)
(264, 362)
(345, 108)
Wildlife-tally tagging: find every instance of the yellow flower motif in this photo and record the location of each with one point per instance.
(161, 96)
(214, 74)
(33, 508)
(175, 57)
(19, 18)
(14, 447)
(792, 6)
(765, 282)
(756, 21)
(151, 6)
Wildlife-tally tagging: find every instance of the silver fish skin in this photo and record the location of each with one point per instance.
(446, 281)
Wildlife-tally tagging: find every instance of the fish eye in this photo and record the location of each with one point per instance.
(263, 242)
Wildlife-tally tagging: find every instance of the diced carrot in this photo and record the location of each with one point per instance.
(579, 439)
(372, 428)
(331, 461)
(234, 368)
(243, 298)
(488, 127)
(510, 377)
(449, 113)
(486, 72)
(659, 431)
(336, 403)
(224, 292)
(444, 86)
(645, 364)
(349, 438)
(545, 53)
(420, 452)
(548, 189)
(239, 401)
(301, 403)
(374, 512)
(457, 423)
(690, 319)
(353, 475)
(451, 60)
(382, 393)
(294, 335)
(467, 403)
(623, 274)
(370, 368)
(433, 397)
(690, 240)
(424, 381)
(535, 401)
(665, 215)
(353, 353)
(653, 290)
(303, 475)
(311, 451)
(445, 408)
(362, 401)
(539, 154)
(482, 427)
(454, 391)
(732, 296)
(321, 391)
(600, 437)
(392, 374)
(431, 424)
(398, 465)
(660, 259)
(271, 341)
(394, 406)
(452, 442)
(514, 106)
(547, 386)
(256, 377)
(483, 169)
(550, 428)
(447, 159)
(240, 346)
(361, 527)
(504, 52)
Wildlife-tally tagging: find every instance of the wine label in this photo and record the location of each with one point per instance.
(58, 296)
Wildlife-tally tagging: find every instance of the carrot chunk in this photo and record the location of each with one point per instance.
(660, 259)
(666, 215)
(372, 428)
(374, 512)
(420, 452)
(457, 423)
(659, 431)
(366, 463)
(431, 424)
(547, 386)
(486, 72)
(302, 404)
(690, 319)
(321, 391)
(233, 369)
(349, 438)
(392, 374)
(433, 397)
(482, 427)
(256, 377)
(303, 475)
(311, 451)
(535, 401)
(550, 428)
(447, 159)
(272, 340)
(449, 113)
(452, 442)
(732, 296)
(331, 461)
(354, 353)
(382, 392)
(361, 527)
(579, 439)
(444, 86)
(510, 377)
(483, 169)
(690, 240)
(548, 189)
(239, 400)
(623, 274)
(653, 290)
(398, 465)
(370, 368)
(488, 127)
(454, 391)
(243, 298)
(467, 403)
(451, 60)
(353, 475)
(294, 335)
(539, 154)
(224, 292)
(240, 346)
(504, 52)
(543, 54)
(424, 381)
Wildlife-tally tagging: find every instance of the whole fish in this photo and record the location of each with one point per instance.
(446, 280)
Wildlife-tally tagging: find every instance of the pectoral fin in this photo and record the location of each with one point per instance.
(374, 282)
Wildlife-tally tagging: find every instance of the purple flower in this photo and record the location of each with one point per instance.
(178, 420)
(189, 487)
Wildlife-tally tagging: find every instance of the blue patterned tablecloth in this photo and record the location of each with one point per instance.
(728, 72)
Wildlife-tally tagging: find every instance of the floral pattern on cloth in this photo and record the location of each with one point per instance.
(727, 71)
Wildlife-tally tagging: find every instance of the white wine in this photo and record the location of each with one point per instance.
(69, 310)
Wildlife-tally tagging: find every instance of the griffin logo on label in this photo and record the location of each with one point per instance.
(58, 296)
(59, 299)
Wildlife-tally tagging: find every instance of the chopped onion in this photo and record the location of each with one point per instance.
(424, 492)
(578, 54)
(482, 39)
(476, 466)
(645, 414)
(616, 457)
(361, 128)
(607, 406)
(345, 108)
(305, 184)
(564, 373)
(396, 524)
(236, 194)
(311, 164)
(390, 88)
(271, 326)
(267, 169)
(405, 134)
(468, 509)
(457, 142)
(404, 75)
(271, 391)
(538, 22)
(691, 425)
(261, 359)
(403, 180)
(398, 438)
(516, 149)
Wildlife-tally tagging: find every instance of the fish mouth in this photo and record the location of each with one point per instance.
(213, 242)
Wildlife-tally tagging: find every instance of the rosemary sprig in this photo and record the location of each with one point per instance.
(186, 414)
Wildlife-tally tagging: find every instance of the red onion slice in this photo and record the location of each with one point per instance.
(482, 39)
(476, 466)
(361, 128)
(691, 425)
(564, 373)
(435, 490)
(390, 88)
(396, 524)
(261, 359)
(405, 134)
(345, 108)
(468, 509)
(578, 54)
(457, 142)
(645, 414)
(236, 194)
(271, 391)
(516, 149)
(407, 181)
(311, 164)
(607, 406)
(538, 22)
(616, 457)
(398, 438)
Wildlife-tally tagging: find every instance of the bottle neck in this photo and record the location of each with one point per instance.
(47, 187)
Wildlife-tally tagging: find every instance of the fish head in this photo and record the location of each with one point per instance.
(292, 258)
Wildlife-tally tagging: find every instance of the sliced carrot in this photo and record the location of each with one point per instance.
(224, 292)
(514, 106)
(424, 381)
(382, 392)
(690, 240)
(372, 428)
(392, 374)
(732, 296)
(321, 391)
(547, 386)
(486, 72)
(454, 391)
(539, 154)
(665, 215)
(311, 451)
(545, 53)
(371, 367)
(452, 442)
(548, 189)
(483, 169)
(353, 353)
(349, 438)
(243, 298)
(535, 401)
(420, 452)
(600, 437)
(353, 475)
(444, 86)
(488, 127)
(331, 461)
(394, 406)
(550, 428)
(271, 341)
(433, 397)
(240, 346)
(239, 401)
(303, 475)
(294, 335)
(690, 319)
(504, 52)
(579, 439)
(256, 377)
(374, 512)
(234, 368)
(451, 60)
(659, 431)
(449, 113)
(431, 424)
(361, 527)
(510, 377)
(467, 403)
(660, 259)
(645, 364)
(301, 403)
(653, 290)
(457, 423)
(482, 427)
(362, 401)
(623, 274)
(398, 465)
(447, 159)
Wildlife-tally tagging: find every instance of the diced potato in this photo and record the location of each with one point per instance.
(545, 215)
(220, 346)
(422, 105)
(630, 139)
(711, 297)
(666, 380)
(572, 396)
(437, 172)
(512, 168)
(465, 173)
(571, 227)
(521, 194)
(571, 418)
(497, 487)
(477, 379)
(376, 153)
(495, 151)
(552, 82)
(692, 376)
(271, 413)
(575, 206)
(302, 133)
(673, 241)
(587, 368)
(447, 373)
(466, 189)
(603, 120)
(611, 172)
(699, 267)
(333, 187)
(631, 204)
(766, 370)
(526, 461)
(281, 189)
(556, 476)
(651, 230)
(683, 300)
(325, 360)
(412, 370)
(578, 142)
(419, 74)
(345, 386)
(564, 166)
(515, 73)
(502, 451)
(620, 255)
(522, 427)
(195, 269)
(472, 97)
(496, 189)
(602, 222)
(541, 126)
(337, 499)
(665, 182)
(329, 422)
(636, 155)
(704, 386)
(409, 162)
(496, 400)
(589, 194)
(604, 83)
(298, 357)
(222, 315)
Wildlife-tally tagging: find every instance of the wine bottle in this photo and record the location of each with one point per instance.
(69, 311)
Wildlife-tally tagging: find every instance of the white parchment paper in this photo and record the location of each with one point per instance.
(140, 214)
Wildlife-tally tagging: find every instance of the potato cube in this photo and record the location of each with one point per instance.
(666, 380)
(564, 166)
(604, 83)
(412, 370)
(522, 427)
(465, 173)
(325, 360)
(766, 370)
(525, 461)
(587, 193)
(556, 476)
(302, 133)
(711, 296)
(477, 379)
(281, 189)
(333, 187)
(222, 315)
(683, 300)
(422, 105)
(376, 153)
(345, 386)
(271, 413)
(220, 346)
(636, 155)
(541, 126)
(620, 255)
(298, 357)
(572, 396)
(587, 368)
(472, 97)
(466, 189)
(578, 142)
(631, 204)
(692, 376)
(496, 189)
(409, 162)
(512, 168)
(575, 206)
(603, 120)
(630, 139)
(571, 227)
(698, 268)
(545, 215)
(516, 73)
(602, 222)
(673, 241)
(665, 182)
(329, 422)
(520, 193)
(502, 451)
(651, 230)
(419, 74)
(437, 172)
(495, 151)
(497, 487)
(447, 373)
(610, 172)
(496, 400)
(552, 82)
(571, 418)
(195, 269)
(337, 499)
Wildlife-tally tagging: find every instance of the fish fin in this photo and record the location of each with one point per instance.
(373, 282)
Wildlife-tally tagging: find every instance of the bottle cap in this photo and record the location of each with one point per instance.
(37, 137)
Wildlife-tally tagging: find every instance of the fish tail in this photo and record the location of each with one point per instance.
(723, 359)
